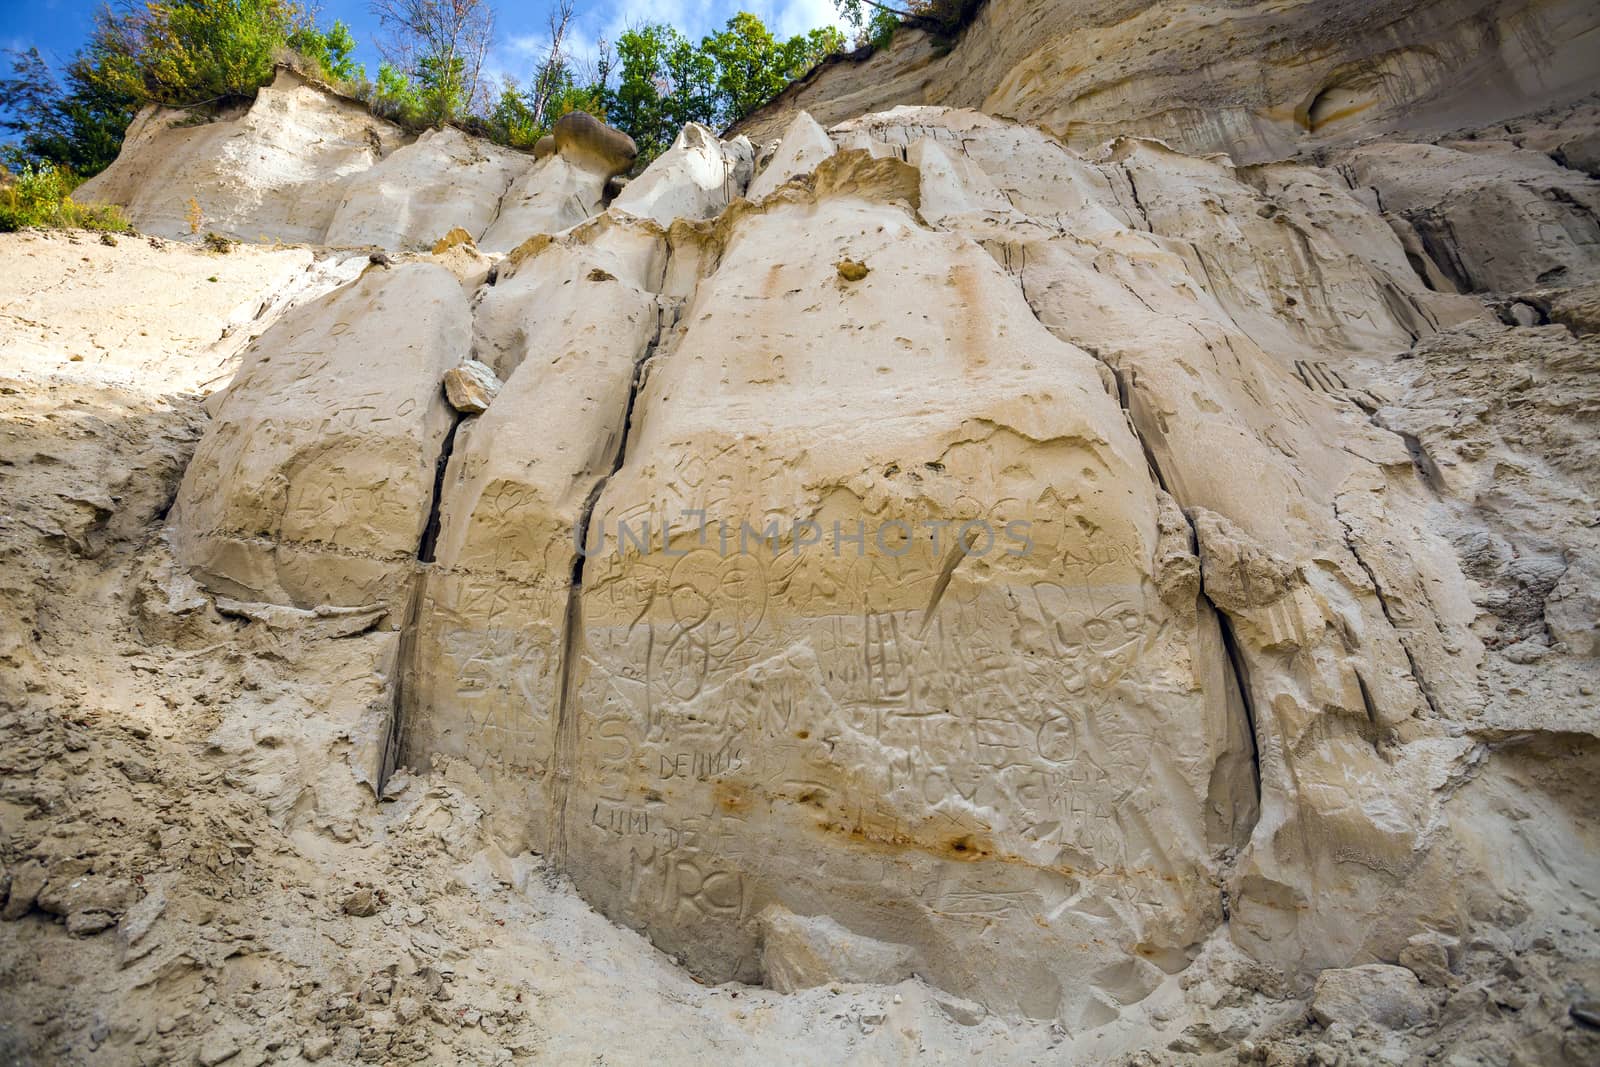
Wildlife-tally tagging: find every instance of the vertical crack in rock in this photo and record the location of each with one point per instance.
(1239, 678)
(1440, 243)
(1138, 202)
(565, 751)
(1234, 669)
(1388, 612)
(1427, 470)
(430, 532)
(405, 654)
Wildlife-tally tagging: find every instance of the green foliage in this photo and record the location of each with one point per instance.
(174, 52)
(753, 66)
(41, 195)
(876, 20)
(331, 50)
(191, 53)
(78, 127)
(512, 122)
(880, 27)
(667, 81)
(186, 52)
(441, 88)
(664, 82)
(396, 97)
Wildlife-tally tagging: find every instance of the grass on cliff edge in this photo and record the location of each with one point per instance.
(42, 196)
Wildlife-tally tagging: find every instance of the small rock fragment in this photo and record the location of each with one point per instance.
(86, 923)
(314, 1048)
(1376, 994)
(851, 271)
(26, 883)
(217, 1048)
(362, 903)
(470, 387)
(1427, 956)
(1524, 314)
(142, 916)
(962, 1012)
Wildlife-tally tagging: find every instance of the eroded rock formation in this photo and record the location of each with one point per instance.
(1016, 608)
(299, 164)
(1148, 596)
(1258, 81)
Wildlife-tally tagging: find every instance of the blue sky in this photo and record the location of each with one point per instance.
(58, 27)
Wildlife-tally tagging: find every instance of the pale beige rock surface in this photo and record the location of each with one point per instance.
(695, 178)
(1283, 696)
(314, 486)
(274, 170)
(1256, 80)
(565, 186)
(804, 145)
(1493, 216)
(442, 180)
(145, 315)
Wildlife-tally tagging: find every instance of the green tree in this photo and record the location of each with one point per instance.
(750, 65)
(512, 121)
(753, 66)
(664, 81)
(442, 45)
(395, 96)
(186, 52)
(332, 50)
(78, 127)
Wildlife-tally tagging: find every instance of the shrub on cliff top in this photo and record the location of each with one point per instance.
(187, 52)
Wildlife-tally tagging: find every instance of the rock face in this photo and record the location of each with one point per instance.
(1111, 587)
(694, 179)
(1491, 215)
(274, 170)
(1017, 608)
(1374, 995)
(1256, 80)
(302, 165)
(314, 485)
(442, 180)
(565, 185)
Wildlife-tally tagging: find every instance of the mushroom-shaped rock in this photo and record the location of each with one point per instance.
(565, 186)
(591, 144)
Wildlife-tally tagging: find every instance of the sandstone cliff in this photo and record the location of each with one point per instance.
(1012, 601)
(1256, 80)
